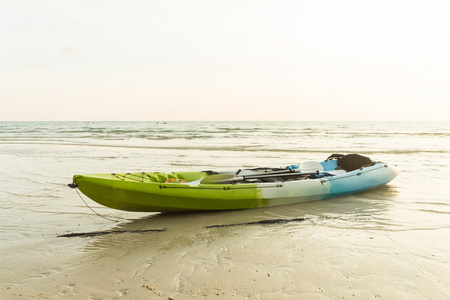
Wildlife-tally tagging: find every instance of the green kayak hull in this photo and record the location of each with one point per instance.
(134, 192)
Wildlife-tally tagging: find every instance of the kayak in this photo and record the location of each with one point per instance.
(232, 189)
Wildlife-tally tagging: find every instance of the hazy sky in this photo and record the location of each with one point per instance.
(224, 60)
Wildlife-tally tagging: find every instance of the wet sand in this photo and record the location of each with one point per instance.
(316, 258)
(389, 243)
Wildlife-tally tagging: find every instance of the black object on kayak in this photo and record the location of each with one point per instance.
(351, 162)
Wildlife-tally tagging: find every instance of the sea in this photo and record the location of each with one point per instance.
(403, 227)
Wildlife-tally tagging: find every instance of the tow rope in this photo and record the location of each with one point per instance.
(75, 187)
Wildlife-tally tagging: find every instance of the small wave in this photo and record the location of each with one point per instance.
(435, 211)
(290, 135)
(359, 134)
(224, 147)
(433, 203)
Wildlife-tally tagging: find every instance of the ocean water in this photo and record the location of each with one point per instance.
(404, 226)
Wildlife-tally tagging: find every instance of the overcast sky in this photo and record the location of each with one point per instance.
(225, 60)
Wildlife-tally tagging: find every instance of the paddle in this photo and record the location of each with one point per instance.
(215, 179)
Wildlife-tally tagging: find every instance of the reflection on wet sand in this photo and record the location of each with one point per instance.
(364, 210)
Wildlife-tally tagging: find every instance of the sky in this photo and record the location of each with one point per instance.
(286, 60)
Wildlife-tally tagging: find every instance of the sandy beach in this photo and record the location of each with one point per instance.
(318, 258)
(388, 243)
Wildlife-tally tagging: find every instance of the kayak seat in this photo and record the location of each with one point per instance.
(311, 167)
(329, 165)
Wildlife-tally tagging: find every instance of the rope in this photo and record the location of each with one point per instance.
(94, 210)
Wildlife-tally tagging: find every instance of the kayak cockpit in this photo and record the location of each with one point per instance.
(161, 177)
(306, 170)
(331, 167)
